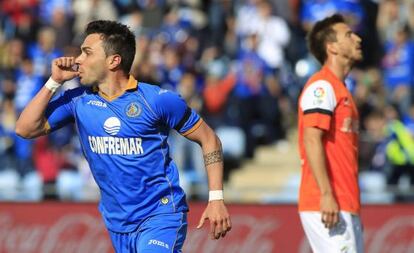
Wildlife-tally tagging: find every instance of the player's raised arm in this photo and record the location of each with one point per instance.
(31, 122)
(216, 212)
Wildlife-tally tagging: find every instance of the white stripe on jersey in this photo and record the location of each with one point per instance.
(318, 95)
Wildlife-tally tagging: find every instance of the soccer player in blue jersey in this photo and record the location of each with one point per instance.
(123, 127)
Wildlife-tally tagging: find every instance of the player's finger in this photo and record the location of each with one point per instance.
(201, 222)
(228, 221)
(326, 220)
(212, 229)
(63, 62)
(335, 219)
(58, 61)
(219, 229)
(323, 217)
(71, 62)
(330, 220)
(225, 226)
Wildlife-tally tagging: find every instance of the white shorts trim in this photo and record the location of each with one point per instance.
(345, 237)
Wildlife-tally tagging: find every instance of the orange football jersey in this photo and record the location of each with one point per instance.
(326, 103)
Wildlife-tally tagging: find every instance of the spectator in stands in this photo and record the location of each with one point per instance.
(315, 10)
(389, 18)
(257, 109)
(7, 123)
(86, 11)
(28, 83)
(398, 65)
(170, 71)
(12, 54)
(186, 154)
(399, 147)
(219, 84)
(43, 51)
(273, 36)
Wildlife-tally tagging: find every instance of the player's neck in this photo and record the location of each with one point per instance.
(339, 67)
(114, 84)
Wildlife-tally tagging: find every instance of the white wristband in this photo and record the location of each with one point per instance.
(52, 85)
(215, 195)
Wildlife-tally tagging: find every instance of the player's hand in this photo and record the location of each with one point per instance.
(63, 69)
(329, 211)
(216, 213)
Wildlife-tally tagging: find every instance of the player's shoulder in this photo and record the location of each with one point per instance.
(319, 77)
(77, 92)
(148, 89)
(318, 91)
(155, 93)
(319, 82)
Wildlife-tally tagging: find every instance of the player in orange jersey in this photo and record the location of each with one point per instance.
(329, 201)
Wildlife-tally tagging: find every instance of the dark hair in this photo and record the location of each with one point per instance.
(117, 39)
(321, 33)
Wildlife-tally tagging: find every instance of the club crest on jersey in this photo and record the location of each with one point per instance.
(133, 110)
(112, 125)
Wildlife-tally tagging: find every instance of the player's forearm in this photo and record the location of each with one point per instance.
(213, 160)
(212, 154)
(31, 122)
(316, 157)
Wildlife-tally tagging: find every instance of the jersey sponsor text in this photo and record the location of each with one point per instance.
(115, 145)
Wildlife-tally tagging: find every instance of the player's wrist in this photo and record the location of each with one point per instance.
(215, 195)
(52, 85)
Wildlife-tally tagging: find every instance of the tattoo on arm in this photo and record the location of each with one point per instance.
(213, 157)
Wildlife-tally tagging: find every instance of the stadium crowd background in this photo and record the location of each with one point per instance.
(240, 63)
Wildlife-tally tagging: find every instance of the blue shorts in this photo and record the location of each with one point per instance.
(158, 234)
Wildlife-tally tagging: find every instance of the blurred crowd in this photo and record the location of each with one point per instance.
(240, 63)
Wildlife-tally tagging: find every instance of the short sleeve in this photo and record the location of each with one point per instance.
(317, 103)
(60, 111)
(175, 113)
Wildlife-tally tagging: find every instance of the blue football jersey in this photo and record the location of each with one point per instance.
(125, 143)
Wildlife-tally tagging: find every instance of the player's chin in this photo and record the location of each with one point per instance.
(84, 82)
(358, 56)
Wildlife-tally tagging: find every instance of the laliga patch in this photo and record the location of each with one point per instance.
(319, 95)
(133, 110)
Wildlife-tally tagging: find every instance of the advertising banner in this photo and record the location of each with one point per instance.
(51, 227)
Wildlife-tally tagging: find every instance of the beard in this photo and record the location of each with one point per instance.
(88, 80)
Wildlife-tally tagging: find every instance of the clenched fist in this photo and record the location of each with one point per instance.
(63, 69)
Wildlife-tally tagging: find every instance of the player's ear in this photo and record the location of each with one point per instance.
(114, 61)
(331, 48)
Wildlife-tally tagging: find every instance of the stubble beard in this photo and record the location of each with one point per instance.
(88, 83)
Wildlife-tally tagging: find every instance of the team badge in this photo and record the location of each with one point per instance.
(164, 200)
(133, 110)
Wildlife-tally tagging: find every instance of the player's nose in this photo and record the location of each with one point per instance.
(78, 59)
